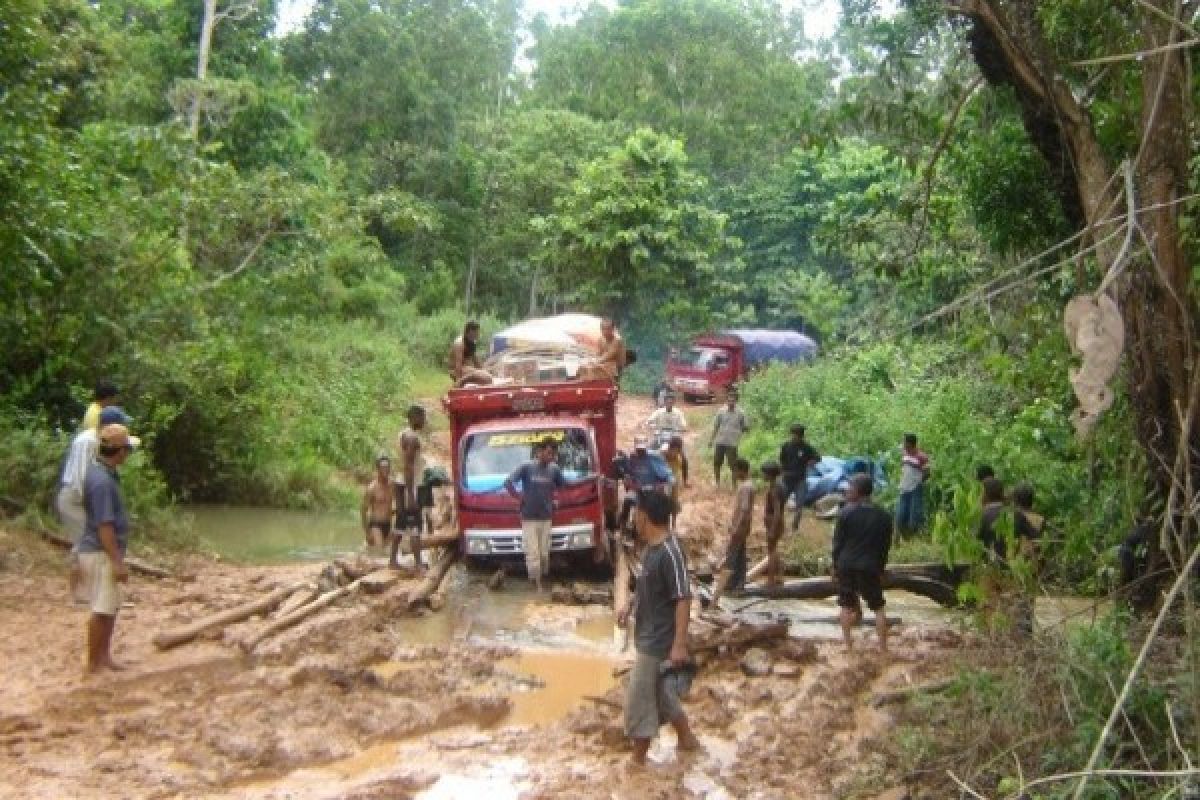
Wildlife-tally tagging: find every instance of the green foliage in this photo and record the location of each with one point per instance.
(726, 77)
(861, 403)
(635, 229)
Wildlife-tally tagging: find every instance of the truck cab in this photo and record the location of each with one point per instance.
(707, 368)
(494, 430)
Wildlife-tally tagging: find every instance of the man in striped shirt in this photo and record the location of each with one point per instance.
(661, 608)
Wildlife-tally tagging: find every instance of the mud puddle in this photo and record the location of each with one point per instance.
(818, 619)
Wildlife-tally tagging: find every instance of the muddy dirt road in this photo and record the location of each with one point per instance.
(500, 694)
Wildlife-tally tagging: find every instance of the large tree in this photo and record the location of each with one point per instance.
(1105, 92)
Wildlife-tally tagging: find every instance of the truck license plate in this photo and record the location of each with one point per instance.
(529, 403)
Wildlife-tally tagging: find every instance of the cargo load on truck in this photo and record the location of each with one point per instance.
(762, 347)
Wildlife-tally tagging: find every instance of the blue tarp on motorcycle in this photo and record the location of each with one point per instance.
(788, 347)
(831, 474)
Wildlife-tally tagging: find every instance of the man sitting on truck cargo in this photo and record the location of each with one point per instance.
(538, 479)
(465, 365)
(612, 353)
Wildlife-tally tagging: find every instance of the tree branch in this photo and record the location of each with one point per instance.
(241, 267)
(939, 148)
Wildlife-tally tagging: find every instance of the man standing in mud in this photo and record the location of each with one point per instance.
(728, 427)
(539, 479)
(409, 446)
(732, 573)
(661, 607)
(378, 502)
(796, 457)
(862, 537)
(102, 548)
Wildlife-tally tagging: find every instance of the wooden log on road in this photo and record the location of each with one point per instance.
(823, 587)
(169, 639)
(300, 614)
(447, 558)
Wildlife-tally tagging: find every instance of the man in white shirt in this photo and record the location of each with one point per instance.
(82, 452)
(667, 420)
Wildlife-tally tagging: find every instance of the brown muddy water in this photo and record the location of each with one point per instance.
(275, 536)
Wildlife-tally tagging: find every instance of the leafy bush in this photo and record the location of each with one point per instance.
(862, 402)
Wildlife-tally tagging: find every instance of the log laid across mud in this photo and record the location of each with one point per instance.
(935, 581)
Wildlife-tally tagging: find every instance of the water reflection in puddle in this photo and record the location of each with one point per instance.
(567, 680)
(499, 779)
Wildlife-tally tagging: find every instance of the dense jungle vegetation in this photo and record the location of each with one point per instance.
(268, 238)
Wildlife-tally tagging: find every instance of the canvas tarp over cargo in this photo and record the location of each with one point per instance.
(762, 346)
(566, 331)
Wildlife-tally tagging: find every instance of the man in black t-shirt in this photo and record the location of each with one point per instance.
(862, 538)
(660, 609)
(796, 456)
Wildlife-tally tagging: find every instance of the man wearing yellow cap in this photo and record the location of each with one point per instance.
(105, 539)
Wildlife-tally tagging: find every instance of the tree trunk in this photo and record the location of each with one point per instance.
(472, 268)
(1155, 293)
(206, 31)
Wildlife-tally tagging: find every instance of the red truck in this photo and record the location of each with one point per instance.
(715, 362)
(493, 430)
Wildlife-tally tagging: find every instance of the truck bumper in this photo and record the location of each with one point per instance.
(482, 542)
(692, 387)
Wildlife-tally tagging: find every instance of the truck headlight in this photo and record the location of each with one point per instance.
(479, 547)
(581, 540)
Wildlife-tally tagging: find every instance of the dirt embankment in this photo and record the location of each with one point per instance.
(367, 700)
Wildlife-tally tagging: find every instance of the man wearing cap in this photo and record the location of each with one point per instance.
(378, 503)
(538, 480)
(69, 500)
(104, 395)
(105, 539)
(81, 453)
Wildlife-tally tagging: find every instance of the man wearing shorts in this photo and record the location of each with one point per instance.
(660, 605)
(732, 573)
(377, 504)
(862, 538)
(728, 427)
(102, 548)
(410, 445)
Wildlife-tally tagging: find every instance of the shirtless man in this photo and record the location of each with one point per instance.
(409, 446)
(378, 502)
(465, 365)
(612, 354)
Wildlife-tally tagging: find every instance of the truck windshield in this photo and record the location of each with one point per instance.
(705, 358)
(489, 458)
